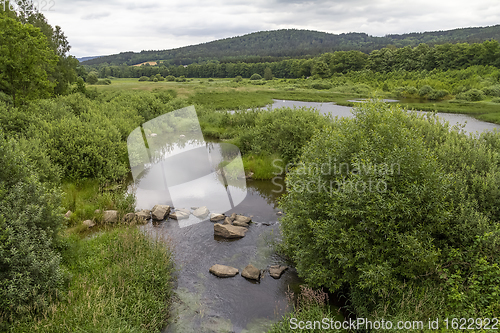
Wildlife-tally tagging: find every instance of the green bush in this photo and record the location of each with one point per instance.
(143, 78)
(180, 79)
(472, 95)
(238, 78)
(492, 91)
(496, 100)
(437, 94)
(389, 199)
(255, 76)
(425, 90)
(321, 85)
(170, 78)
(281, 131)
(29, 223)
(92, 78)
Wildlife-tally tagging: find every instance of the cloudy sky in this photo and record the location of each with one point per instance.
(101, 27)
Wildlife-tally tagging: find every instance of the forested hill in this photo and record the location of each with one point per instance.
(273, 45)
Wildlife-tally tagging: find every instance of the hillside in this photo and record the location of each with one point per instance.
(278, 44)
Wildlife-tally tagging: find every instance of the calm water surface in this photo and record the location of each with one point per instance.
(204, 302)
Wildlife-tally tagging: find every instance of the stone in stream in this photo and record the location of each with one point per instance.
(201, 212)
(214, 217)
(160, 212)
(88, 223)
(229, 231)
(251, 272)
(223, 271)
(277, 270)
(129, 218)
(242, 221)
(143, 216)
(110, 216)
(179, 214)
(228, 220)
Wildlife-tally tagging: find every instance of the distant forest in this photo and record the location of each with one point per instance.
(272, 46)
(388, 59)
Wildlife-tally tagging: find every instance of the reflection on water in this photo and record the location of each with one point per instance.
(180, 169)
(206, 303)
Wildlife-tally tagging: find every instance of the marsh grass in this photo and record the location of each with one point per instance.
(120, 281)
(262, 166)
(309, 305)
(84, 197)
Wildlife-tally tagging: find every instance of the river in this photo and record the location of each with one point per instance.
(204, 302)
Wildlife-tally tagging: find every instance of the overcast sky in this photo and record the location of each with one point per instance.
(102, 27)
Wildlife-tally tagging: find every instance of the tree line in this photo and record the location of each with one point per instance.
(388, 59)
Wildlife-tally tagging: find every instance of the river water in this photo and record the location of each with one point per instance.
(204, 302)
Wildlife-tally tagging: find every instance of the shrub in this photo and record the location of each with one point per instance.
(492, 91)
(321, 85)
(170, 78)
(437, 94)
(238, 78)
(29, 223)
(390, 198)
(92, 78)
(210, 80)
(180, 79)
(255, 76)
(143, 78)
(281, 131)
(496, 100)
(410, 90)
(472, 95)
(425, 90)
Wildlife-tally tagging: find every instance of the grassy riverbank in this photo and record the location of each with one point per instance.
(119, 281)
(415, 91)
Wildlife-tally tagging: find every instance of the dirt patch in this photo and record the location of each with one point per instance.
(152, 63)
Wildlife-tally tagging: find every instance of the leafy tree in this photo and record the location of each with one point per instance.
(268, 74)
(64, 73)
(25, 60)
(92, 78)
(321, 68)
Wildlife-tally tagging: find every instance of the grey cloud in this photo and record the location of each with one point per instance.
(95, 16)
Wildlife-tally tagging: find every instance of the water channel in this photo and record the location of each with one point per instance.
(204, 302)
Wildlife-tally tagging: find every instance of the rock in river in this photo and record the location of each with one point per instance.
(251, 272)
(160, 212)
(129, 218)
(229, 231)
(223, 271)
(143, 216)
(216, 217)
(201, 212)
(276, 271)
(110, 216)
(88, 223)
(180, 214)
(241, 221)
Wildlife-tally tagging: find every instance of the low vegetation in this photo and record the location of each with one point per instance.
(398, 209)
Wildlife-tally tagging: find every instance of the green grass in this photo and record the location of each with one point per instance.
(84, 197)
(121, 281)
(262, 166)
